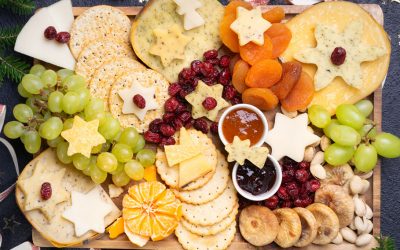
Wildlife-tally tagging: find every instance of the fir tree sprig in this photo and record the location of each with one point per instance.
(385, 243)
(8, 36)
(13, 68)
(20, 7)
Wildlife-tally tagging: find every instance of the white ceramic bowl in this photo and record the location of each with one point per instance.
(247, 106)
(263, 196)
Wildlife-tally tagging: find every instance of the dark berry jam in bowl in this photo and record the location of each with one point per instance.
(245, 121)
(257, 184)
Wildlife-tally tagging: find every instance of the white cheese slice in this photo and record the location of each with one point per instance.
(191, 18)
(61, 12)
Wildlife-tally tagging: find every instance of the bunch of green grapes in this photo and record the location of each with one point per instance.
(355, 136)
(53, 99)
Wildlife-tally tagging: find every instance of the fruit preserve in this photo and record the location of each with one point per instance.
(243, 122)
(255, 180)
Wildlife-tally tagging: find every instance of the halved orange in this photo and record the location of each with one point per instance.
(151, 210)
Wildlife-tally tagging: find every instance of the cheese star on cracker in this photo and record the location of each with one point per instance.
(250, 26)
(356, 52)
(170, 44)
(83, 136)
(240, 150)
(290, 137)
(187, 8)
(31, 188)
(129, 107)
(197, 97)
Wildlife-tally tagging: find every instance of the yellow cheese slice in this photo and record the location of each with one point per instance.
(178, 153)
(193, 169)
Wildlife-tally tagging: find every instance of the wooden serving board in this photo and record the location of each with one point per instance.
(372, 197)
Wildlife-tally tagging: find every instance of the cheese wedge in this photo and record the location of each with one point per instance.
(178, 153)
(193, 169)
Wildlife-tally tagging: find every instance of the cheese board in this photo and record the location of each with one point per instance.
(372, 197)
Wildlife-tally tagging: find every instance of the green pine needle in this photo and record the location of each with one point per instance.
(385, 243)
(12, 68)
(20, 7)
(8, 36)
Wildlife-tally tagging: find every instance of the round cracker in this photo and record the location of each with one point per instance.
(146, 78)
(97, 23)
(212, 212)
(212, 189)
(190, 240)
(96, 53)
(213, 229)
(107, 73)
(170, 175)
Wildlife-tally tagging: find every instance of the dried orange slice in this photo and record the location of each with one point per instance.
(116, 229)
(151, 210)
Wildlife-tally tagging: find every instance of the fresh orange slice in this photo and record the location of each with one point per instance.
(151, 210)
(150, 173)
(116, 229)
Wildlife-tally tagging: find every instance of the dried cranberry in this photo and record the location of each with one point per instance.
(307, 201)
(207, 69)
(298, 202)
(167, 141)
(189, 123)
(214, 128)
(177, 123)
(283, 194)
(201, 124)
(194, 82)
(224, 77)
(304, 165)
(154, 126)
(171, 104)
(287, 175)
(313, 185)
(181, 108)
(186, 89)
(338, 56)
(272, 202)
(302, 175)
(196, 66)
(174, 89)
(287, 203)
(45, 191)
(187, 74)
(209, 81)
(185, 116)
(209, 103)
(229, 92)
(139, 101)
(63, 37)
(168, 117)
(167, 130)
(236, 100)
(213, 61)
(152, 137)
(294, 192)
(224, 61)
(210, 54)
(50, 32)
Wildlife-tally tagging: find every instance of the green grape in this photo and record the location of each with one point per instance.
(51, 128)
(64, 73)
(84, 97)
(14, 129)
(37, 69)
(22, 112)
(49, 78)
(368, 128)
(331, 125)
(118, 169)
(62, 152)
(338, 155)
(107, 162)
(74, 82)
(146, 157)
(134, 170)
(32, 84)
(139, 145)
(349, 115)
(101, 148)
(365, 107)
(129, 136)
(55, 101)
(32, 141)
(22, 92)
(365, 157)
(387, 145)
(70, 103)
(31, 102)
(53, 143)
(96, 116)
(93, 160)
(121, 179)
(80, 161)
(345, 136)
(110, 128)
(123, 152)
(97, 175)
(319, 116)
(47, 115)
(94, 107)
(68, 123)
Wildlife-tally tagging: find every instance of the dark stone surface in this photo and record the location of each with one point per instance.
(391, 123)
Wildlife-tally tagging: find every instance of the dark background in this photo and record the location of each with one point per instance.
(15, 229)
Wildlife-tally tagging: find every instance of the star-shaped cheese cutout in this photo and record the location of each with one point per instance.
(201, 92)
(87, 211)
(191, 18)
(83, 136)
(290, 137)
(356, 52)
(129, 107)
(170, 44)
(250, 26)
(31, 188)
(240, 150)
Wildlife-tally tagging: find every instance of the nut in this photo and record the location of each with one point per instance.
(309, 154)
(370, 226)
(366, 185)
(368, 212)
(360, 225)
(359, 206)
(318, 158)
(338, 239)
(363, 240)
(356, 184)
(348, 234)
(318, 171)
(292, 114)
(352, 226)
(363, 175)
(325, 142)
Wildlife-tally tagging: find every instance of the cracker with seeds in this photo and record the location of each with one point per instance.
(97, 23)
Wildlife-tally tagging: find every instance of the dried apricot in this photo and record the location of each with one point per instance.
(264, 74)
(239, 75)
(252, 53)
(291, 72)
(301, 95)
(231, 8)
(280, 36)
(275, 15)
(262, 98)
(228, 37)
